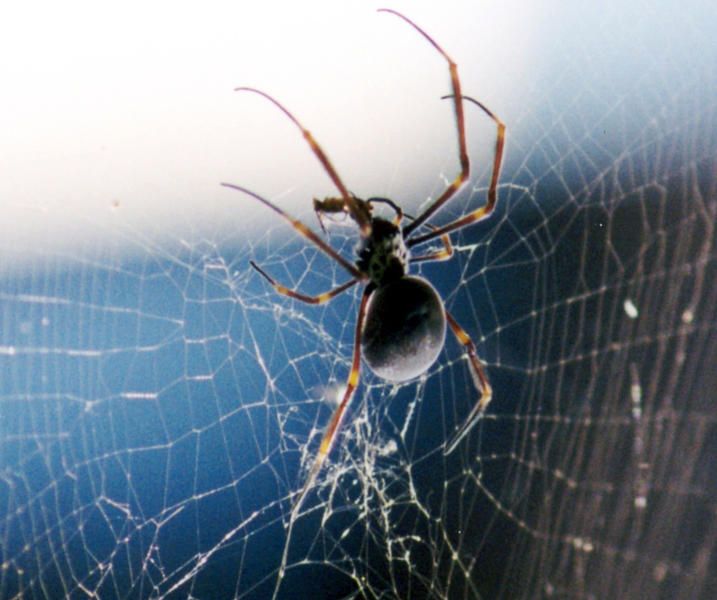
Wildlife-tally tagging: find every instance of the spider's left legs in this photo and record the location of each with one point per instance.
(351, 206)
(334, 425)
(479, 379)
(302, 229)
(318, 299)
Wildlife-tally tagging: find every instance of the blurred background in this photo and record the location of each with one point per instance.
(159, 403)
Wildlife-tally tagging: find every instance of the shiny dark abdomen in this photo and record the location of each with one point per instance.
(404, 330)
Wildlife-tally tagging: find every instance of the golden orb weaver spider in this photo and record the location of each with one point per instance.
(401, 321)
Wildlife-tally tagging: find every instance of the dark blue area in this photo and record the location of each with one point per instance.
(163, 432)
(153, 415)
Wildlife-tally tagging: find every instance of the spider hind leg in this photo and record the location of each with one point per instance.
(479, 379)
(327, 441)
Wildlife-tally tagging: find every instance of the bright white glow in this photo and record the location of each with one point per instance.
(630, 309)
(123, 116)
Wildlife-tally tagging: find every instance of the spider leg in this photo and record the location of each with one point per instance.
(479, 379)
(485, 210)
(443, 254)
(362, 219)
(319, 299)
(334, 425)
(303, 230)
(462, 177)
(397, 210)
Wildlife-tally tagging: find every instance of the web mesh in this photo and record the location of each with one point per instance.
(160, 412)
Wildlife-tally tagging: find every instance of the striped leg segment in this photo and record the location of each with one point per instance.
(485, 210)
(479, 379)
(318, 299)
(362, 219)
(335, 424)
(303, 230)
(443, 254)
(462, 177)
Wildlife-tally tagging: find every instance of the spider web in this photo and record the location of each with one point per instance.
(161, 405)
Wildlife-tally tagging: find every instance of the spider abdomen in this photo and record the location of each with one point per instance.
(404, 330)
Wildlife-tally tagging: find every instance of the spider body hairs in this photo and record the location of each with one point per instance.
(383, 254)
(401, 323)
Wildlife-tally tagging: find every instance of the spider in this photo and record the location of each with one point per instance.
(401, 323)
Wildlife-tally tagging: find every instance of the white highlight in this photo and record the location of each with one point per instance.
(630, 309)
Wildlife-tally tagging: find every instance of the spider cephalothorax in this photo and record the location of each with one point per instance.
(382, 255)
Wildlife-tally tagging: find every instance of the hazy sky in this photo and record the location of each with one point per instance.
(124, 116)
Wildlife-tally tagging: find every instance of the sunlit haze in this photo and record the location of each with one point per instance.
(125, 116)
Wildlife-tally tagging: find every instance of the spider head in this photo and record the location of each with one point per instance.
(382, 255)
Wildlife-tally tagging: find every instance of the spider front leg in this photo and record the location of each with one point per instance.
(350, 205)
(479, 379)
(335, 424)
(464, 174)
(302, 229)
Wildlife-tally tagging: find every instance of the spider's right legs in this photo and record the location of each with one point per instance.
(443, 254)
(464, 174)
(481, 212)
(479, 379)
